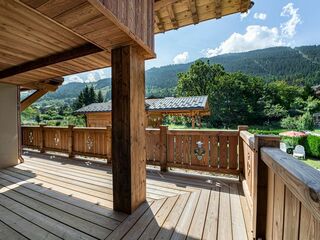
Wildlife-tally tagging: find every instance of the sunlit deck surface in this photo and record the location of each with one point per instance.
(57, 198)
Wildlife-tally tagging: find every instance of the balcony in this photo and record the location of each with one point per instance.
(57, 197)
(262, 192)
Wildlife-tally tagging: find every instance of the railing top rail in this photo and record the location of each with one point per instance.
(302, 180)
(203, 132)
(90, 128)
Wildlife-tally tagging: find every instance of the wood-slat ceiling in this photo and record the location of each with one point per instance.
(174, 14)
(31, 30)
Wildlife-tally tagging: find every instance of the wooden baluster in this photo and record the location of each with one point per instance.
(240, 144)
(41, 138)
(70, 141)
(163, 148)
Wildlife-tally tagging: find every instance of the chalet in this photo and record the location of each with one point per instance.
(45, 195)
(99, 114)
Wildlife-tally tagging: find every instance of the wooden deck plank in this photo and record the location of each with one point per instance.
(106, 212)
(69, 200)
(237, 219)
(8, 233)
(224, 225)
(129, 222)
(183, 225)
(211, 225)
(158, 220)
(23, 226)
(170, 223)
(63, 206)
(198, 220)
(136, 231)
(77, 223)
(47, 223)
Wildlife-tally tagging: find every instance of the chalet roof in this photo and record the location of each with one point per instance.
(157, 104)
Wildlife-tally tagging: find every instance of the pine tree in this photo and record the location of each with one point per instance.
(99, 97)
(92, 95)
(86, 96)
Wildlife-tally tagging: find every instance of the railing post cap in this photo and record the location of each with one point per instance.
(243, 127)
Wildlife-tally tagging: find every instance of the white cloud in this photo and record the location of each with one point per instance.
(244, 15)
(255, 37)
(181, 58)
(288, 28)
(261, 16)
(258, 36)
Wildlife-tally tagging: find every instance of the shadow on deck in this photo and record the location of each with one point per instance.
(57, 198)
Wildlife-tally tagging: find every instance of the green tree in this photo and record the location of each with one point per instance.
(38, 119)
(99, 97)
(199, 79)
(235, 99)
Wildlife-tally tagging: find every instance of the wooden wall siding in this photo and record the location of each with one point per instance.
(137, 15)
(98, 119)
(173, 14)
(221, 150)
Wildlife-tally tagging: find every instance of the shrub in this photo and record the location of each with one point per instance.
(305, 122)
(312, 146)
(289, 123)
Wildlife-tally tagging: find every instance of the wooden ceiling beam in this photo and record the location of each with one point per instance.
(158, 21)
(31, 99)
(194, 12)
(73, 53)
(172, 16)
(162, 4)
(218, 8)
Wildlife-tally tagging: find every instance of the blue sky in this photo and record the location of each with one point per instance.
(268, 24)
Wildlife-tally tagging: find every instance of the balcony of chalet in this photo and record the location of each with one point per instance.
(240, 187)
(50, 197)
(251, 190)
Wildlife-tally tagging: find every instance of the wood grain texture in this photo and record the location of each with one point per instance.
(128, 132)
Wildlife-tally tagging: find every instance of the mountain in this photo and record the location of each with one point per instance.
(299, 65)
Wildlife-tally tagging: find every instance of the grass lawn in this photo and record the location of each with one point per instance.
(315, 163)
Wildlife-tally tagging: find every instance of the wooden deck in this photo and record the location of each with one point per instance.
(56, 198)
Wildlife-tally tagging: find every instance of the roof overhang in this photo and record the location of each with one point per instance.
(47, 39)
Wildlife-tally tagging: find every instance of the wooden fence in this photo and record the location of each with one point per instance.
(282, 192)
(166, 148)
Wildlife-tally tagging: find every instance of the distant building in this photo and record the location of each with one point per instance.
(99, 114)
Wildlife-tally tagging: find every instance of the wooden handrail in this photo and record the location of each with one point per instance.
(302, 180)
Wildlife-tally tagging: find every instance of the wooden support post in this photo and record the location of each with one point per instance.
(128, 131)
(240, 144)
(260, 195)
(70, 141)
(41, 147)
(163, 148)
(192, 122)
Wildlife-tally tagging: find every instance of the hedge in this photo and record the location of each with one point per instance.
(312, 145)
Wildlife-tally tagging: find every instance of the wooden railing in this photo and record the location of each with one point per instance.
(166, 148)
(93, 142)
(284, 193)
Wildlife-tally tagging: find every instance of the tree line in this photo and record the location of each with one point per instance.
(87, 96)
(238, 98)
